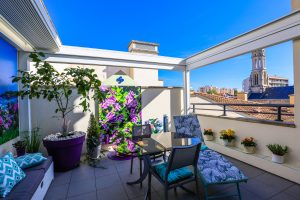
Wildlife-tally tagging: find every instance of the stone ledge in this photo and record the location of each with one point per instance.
(251, 120)
(287, 170)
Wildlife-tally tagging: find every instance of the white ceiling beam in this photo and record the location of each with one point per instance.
(278, 31)
(89, 56)
(12, 36)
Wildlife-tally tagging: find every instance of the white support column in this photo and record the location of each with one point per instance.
(24, 104)
(186, 91)
(296, 58)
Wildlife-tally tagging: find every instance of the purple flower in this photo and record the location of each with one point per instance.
(107, 102)
(15, 108)
(110, 117)
(129, 98)
(1, 120)
(105, 127)
(103, 88)
(120, 118)
(134, 119)
(117, 107)
(131, 146)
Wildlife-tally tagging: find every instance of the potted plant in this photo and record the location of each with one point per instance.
(93, 141)
(208, 134)
(65, 147)
(249, 145)
(20, 147)
(33, 142)
(278, 152)
(227, 136)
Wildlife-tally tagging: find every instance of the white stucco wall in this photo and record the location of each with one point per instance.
(155, 103)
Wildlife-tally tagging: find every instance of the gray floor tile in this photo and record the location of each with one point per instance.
(294, 191)
(83, 172)
(267, 185)
(81, 187)
(116, 192)
(86, 182)
(154, 195)
(107, 170)
(134, 191)
(87, 196)
(107, 181)
(57, 192)
(284, 196)
(62, 178)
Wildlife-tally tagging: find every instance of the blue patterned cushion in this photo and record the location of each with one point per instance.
(30, 160)
(174, 175)
(215, 169)
(10, 174)
(187, 126)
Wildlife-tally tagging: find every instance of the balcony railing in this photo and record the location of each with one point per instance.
(278, 108)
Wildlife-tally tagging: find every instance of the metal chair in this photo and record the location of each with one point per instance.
(138, 133)
(179, 159)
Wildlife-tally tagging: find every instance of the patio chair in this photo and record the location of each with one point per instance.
(213, 168)
(175, 173)
(138, 133)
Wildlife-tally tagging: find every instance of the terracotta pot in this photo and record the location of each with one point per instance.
(249, 149)
(277, 159)
(209, 137)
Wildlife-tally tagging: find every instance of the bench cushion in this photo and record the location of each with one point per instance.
(216, 169)
(10, 174)
(174, 175)
(27, 187)
(30, 160)
(44, 165)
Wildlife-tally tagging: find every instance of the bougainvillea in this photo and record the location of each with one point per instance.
(8, 119)
(118, 113)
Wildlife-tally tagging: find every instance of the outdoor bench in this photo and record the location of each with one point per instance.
(215, 169)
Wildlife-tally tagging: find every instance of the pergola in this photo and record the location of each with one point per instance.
(27, 25)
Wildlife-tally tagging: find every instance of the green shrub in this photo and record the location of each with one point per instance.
(277, 149)
(33, 142)
(93, 133)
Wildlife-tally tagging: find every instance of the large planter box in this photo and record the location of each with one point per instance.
(66, 153)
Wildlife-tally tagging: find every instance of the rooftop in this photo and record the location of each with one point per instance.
(109, 183)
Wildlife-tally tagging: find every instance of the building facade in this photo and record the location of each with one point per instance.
(259, 80)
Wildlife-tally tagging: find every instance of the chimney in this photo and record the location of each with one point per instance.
(242, 96)
(143, 47)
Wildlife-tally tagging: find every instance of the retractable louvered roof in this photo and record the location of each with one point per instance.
(31, 20)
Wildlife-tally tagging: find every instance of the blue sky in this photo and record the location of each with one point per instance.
(8, 66)
(181, 27)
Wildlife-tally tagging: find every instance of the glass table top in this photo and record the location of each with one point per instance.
(161, 142)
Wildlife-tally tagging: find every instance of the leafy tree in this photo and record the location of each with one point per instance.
(212, 91)
(235, 92)
(48, 83)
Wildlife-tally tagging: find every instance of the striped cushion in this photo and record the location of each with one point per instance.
(10, 174)
(30, 160)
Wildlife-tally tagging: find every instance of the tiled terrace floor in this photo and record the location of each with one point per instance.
(88, 183)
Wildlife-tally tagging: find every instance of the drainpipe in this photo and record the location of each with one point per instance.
(296, 60)
(186, 91)
(24, 104)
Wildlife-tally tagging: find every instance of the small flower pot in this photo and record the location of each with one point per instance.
(94, 153)
(277, 159)
(20, 151)
(249, 149)
(209, 137)
(227, 143)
